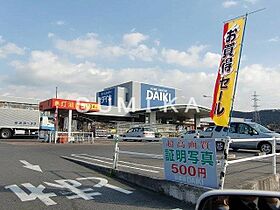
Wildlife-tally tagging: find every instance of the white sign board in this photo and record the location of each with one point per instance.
(190, 161)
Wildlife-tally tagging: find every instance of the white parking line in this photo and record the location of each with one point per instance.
(141, 169)
(121, 165)
(88, 158)
(156, 156)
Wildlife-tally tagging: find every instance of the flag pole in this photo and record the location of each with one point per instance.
(237, 70)
(227, 140)
(241, 47)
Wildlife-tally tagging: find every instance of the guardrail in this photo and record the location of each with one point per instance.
(62, 137)
(225, 163)
(75, 137)
(117, 150)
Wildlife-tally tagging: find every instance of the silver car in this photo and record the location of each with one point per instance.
(140, 132)
(245, 130)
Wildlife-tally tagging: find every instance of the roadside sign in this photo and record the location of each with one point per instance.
(190, 161)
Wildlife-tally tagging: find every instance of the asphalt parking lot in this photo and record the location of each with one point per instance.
(146, 158)
(33, 176)
(16, 177)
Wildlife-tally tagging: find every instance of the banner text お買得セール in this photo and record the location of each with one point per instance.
(227, 73)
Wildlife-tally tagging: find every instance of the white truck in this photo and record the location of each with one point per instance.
(18, 121)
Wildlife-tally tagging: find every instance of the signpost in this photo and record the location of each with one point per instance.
(190, 161)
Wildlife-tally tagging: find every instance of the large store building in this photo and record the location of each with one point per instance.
(147, 103)
(131, 102)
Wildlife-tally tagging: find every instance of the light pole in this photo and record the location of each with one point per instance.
(56, 92)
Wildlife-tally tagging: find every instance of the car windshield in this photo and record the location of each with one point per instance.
(260, 128)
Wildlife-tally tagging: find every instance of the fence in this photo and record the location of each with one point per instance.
(117, 151)
(225, 162)
(62, 137)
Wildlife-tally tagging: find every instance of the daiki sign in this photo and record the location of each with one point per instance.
(190, 161)
(154, 96)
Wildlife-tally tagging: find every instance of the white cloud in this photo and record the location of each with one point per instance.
(91, 46)
(192, 57)
(229, 3)
(114, 51)
(60, 22)
(142, 52)
(50, 35)
(9, 48)
(133, 39)
(250, 78)
(44, 70)
(86, 46)
(274, 39)
(2, 40)
(251, 1)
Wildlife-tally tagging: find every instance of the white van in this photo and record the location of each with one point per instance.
(244, 130)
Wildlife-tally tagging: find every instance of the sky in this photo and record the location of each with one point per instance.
(84, 46)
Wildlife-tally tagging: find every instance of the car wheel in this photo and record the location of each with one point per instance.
(265, 147)
(220, 146)
(6, 133)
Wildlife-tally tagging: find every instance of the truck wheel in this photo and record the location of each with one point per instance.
(6, 133)
(265, 147)
(220, 146)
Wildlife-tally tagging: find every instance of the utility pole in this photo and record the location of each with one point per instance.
(56, 92)
(255, 99)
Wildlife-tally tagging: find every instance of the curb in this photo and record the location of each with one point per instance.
(180, 191)
(269, 183)
(183, 192)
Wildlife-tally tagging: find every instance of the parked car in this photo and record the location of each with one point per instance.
(140, 132)
(244, 130)
(198, 133)
(191, 134)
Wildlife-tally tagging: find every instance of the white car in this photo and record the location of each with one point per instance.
(140, 132)
(191, 134)
(198, 133)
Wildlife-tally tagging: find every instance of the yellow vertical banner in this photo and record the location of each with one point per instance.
(228, 70)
